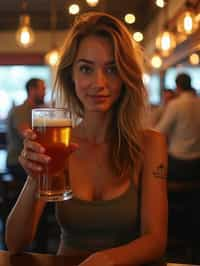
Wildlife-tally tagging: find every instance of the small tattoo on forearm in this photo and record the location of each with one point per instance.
(160, 171)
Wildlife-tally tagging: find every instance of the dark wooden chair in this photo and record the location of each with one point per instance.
(184, 219)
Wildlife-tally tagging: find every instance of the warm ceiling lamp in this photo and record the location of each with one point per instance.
(138, 36)
(53, 56)
(24, 35)
(194, 59)
(74, 9)
(92, 3)
(156, 61)
(166, 42)
(129, 18)
(160, 3)
(187, 22)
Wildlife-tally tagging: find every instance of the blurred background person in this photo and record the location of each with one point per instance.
(19, 119)
(181, 123)
(158, 111)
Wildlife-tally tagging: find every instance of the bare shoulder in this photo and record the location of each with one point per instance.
(152, 137)
(149, 135)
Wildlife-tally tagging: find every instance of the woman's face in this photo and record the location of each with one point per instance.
(97, 82)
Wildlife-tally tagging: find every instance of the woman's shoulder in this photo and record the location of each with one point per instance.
(151, 137)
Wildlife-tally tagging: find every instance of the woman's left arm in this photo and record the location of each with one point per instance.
(150, 246)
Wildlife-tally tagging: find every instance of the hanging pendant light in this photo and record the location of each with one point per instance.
(24, 35)
(166, 42)
(160, 3)
(92, 3)
(156, 61)
(194, 59)
(53, 56)
(187, 22)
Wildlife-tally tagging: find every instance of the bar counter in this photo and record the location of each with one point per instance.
(38, 259)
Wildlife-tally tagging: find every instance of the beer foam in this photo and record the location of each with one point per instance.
(51, 122)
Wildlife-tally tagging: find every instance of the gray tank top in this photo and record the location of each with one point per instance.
(101, 224)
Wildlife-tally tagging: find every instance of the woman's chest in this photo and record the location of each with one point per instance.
(92, 175)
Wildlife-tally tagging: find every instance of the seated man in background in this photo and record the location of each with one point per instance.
(19, 119)
(181, 123)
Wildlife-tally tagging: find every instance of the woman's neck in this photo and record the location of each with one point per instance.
(94, 127)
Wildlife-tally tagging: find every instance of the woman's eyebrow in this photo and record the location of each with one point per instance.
(87, 61)
(82, 60)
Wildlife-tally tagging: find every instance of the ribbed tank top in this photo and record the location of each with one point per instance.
(100, 224)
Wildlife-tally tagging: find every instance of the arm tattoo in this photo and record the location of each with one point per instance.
(160, 171)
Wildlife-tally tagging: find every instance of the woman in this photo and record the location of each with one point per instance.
(118, 214)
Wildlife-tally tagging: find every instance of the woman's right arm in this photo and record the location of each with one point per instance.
(22, 221)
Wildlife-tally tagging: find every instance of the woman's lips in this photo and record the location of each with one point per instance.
(99, 97)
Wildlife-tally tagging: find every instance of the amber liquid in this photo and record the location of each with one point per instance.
(54, 181)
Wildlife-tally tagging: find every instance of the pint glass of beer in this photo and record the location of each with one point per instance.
(53, 127)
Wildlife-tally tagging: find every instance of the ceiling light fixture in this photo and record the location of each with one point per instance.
(129, 18)
(187, 22)
(166, 42)
(138, 36)
(156, 61)
(74, 9)
(92, 3)
(194, 59)
(166, 39)
(24, 35)
(53, 56)
(160, 3)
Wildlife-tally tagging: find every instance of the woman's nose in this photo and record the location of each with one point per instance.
(101, 79)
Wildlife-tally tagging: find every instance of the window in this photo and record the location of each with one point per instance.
(12, 85)
(153, 89)
(171, 73)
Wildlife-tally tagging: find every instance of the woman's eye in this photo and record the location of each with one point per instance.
(85, 69)
(112, 70)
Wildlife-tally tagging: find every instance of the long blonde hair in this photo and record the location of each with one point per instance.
(126, 125)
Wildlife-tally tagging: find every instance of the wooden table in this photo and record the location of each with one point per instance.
(36, 259)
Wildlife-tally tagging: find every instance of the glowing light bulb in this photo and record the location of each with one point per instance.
(160, 3)
(129, 18)
(194, 59)
(138, 36)
(166, 42)
(187, 23)
(92, 3)
(25, 36)
(52, 57)
(74, 9)
(156, 61)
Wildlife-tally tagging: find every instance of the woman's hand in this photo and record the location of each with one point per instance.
(33, 158)
(97, 259)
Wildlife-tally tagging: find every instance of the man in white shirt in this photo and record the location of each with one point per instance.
(181, 124)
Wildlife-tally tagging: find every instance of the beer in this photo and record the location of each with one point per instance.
(54, 135)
